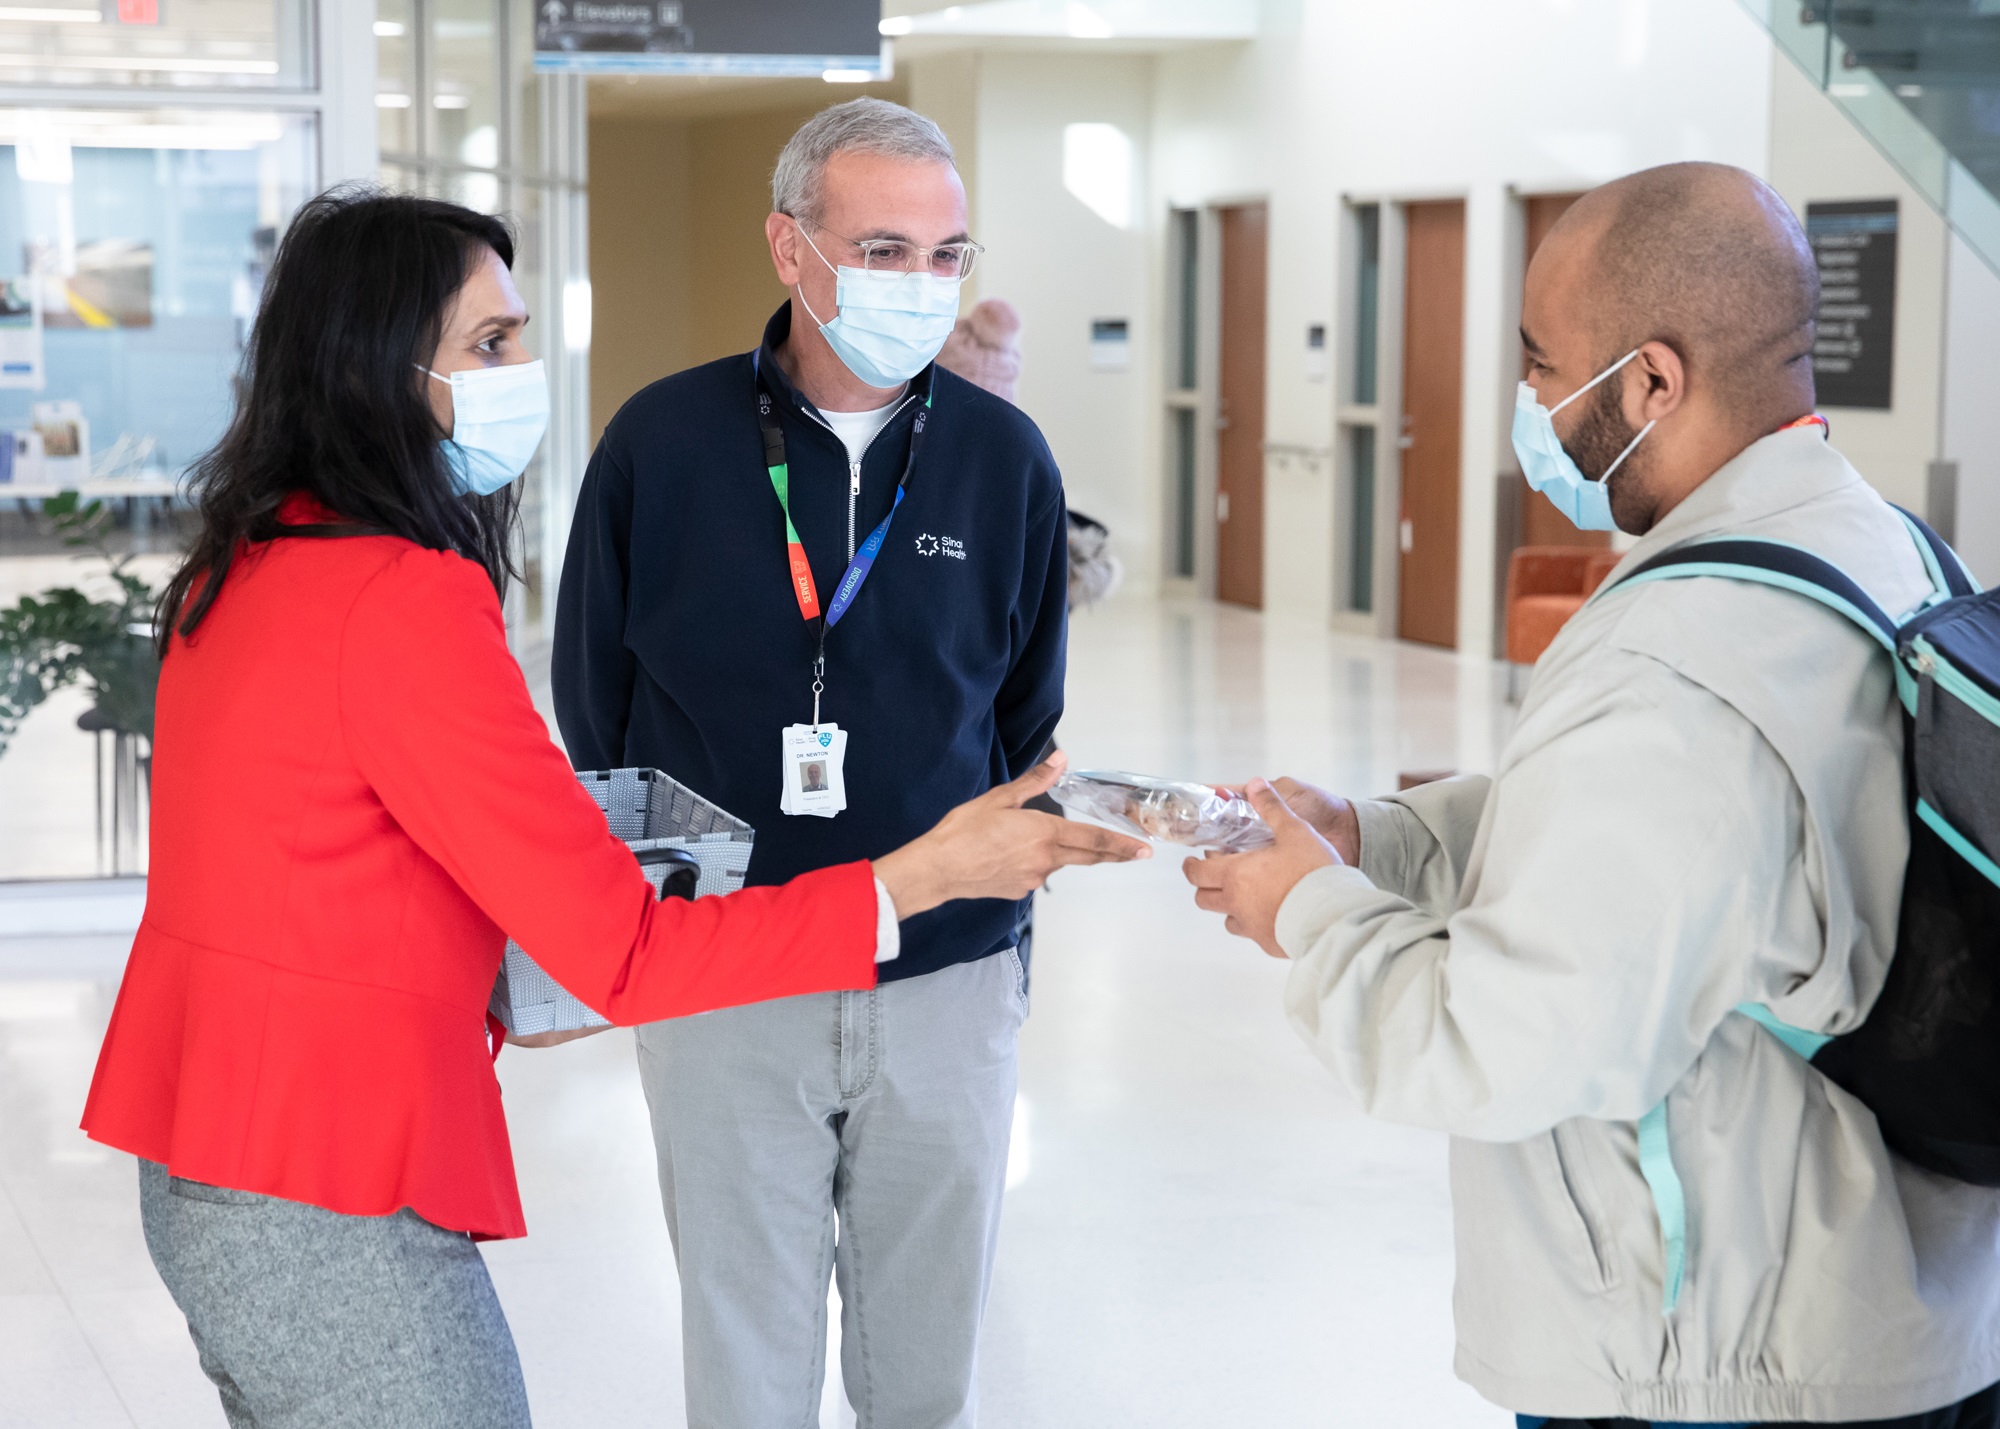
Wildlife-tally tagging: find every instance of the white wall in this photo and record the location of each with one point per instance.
(1062, 265)
(1972, 406)
(1432, 98)
(1419, 99)
(1817, 156)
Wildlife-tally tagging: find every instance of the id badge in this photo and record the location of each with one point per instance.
(814, 756)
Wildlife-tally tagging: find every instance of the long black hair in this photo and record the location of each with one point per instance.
(332, 399)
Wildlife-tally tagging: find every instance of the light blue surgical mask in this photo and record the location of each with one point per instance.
(1551, 470)
(498, 417)
(890, 325)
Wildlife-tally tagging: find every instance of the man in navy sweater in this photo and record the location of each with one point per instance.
(823, 585)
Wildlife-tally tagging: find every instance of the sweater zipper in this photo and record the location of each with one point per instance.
(854, 467)
(853, 500)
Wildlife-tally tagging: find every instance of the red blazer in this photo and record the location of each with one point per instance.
(352, 796)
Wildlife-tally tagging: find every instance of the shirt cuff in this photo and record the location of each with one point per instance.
(1384, 849)
(888, 928)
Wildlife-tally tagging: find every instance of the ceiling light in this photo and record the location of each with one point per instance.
(392, 101)
(146, 63)
(45, 15)
(452, 101)
(897, 25)
(1085, 23)
(143, 129)
(388, 30)
(848, 76)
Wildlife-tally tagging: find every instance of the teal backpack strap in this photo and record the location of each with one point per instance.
(1949, 578)
(1656, 1164)
(1785, 567)
(1772, 563)
(1806, 1044)
(1792, 568)
(1958, 842)
(1656, 1159)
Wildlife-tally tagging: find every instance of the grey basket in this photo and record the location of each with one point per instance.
(647, 810)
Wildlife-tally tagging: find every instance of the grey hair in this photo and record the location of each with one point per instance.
(860, 126)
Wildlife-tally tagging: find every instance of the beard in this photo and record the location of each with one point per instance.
(1598, 439)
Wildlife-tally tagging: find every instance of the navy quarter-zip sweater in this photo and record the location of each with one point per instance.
(679, 645)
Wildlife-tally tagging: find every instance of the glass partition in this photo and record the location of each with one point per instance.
(1184, 396)
(466, 63)
(464, 116)
(1922, 81)
(254, 44)
(133, 248)
(142, 237)
(396, 43)
(1359, 412)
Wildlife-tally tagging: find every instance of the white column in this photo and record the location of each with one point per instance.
(347, 141)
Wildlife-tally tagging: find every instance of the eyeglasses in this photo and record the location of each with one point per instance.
(893, 255)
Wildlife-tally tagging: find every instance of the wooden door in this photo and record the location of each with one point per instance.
(1433, 381)
(1541, 523)
(1239, 419)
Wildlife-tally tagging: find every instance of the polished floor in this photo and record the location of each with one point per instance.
(1200, 1228)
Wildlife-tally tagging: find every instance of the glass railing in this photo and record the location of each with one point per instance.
(1920, 78)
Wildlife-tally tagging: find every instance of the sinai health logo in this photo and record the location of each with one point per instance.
(929, 545)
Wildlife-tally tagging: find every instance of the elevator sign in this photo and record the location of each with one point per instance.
(1854, 245)
(768, 37)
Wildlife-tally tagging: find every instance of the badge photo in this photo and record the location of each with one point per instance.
(814, 756)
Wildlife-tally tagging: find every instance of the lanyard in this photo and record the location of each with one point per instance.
(804, 589)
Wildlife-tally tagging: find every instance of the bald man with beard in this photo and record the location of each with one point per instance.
(1663, 1215)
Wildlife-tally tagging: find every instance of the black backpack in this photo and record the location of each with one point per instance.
(1926, 1060)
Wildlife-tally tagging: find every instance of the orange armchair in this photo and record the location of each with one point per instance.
(1546, 585)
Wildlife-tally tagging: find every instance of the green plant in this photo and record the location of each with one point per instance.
(53, 640)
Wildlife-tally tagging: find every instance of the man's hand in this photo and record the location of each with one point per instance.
(1249, 887)
(1331, 816)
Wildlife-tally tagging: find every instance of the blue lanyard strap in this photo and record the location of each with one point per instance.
(863, 560)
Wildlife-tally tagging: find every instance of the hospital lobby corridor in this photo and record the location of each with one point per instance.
(1200, 1228)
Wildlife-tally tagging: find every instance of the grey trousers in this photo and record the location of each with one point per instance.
(889, 1110)
(307, 1319)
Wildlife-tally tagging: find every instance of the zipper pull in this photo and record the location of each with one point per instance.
(854, 478)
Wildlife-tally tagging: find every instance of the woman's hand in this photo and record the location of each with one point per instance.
(991, 847)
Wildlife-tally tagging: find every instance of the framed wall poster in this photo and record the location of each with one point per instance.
(1854, 347)
(21, 335)
(65, 437)
(112, 286)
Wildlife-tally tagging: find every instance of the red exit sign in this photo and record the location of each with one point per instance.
(138, 12)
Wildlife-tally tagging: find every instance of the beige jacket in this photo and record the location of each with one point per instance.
(1701, 806)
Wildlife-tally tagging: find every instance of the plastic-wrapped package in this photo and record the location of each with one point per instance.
(1170, 810)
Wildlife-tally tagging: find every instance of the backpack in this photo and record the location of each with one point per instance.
(1926, 1060)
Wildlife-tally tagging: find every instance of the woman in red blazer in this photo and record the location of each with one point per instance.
(353, 796)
